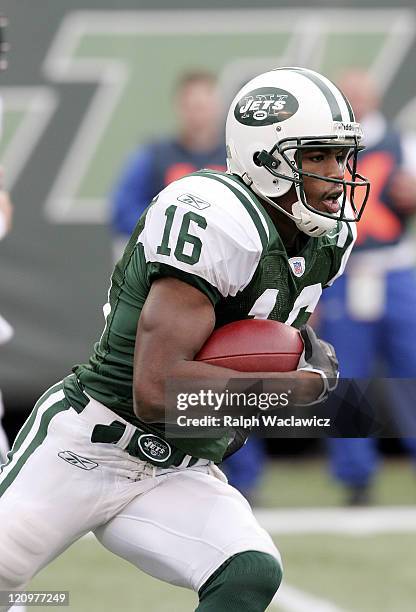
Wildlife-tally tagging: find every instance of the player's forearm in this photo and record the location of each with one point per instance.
(304, 386)
(150, 397)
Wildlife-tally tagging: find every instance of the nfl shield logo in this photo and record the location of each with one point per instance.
(298, 265)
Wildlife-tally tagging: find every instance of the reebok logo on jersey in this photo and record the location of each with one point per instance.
(77, 460)
(154, 448)
(298, 265)
(265, 106)
(191, 200)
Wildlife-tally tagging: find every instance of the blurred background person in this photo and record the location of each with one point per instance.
(198, 143)
(369, 314)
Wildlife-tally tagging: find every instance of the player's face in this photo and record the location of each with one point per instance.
(330, 163)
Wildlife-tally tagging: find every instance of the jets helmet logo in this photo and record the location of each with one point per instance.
(265, 106)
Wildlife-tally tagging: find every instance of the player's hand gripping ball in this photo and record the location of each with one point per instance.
(257, 345)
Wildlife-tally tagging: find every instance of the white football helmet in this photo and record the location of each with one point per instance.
(271, 120)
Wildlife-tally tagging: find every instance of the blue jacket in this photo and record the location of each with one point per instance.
(148, 171)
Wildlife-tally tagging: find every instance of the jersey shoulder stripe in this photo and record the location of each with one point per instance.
(238, 184)
(245, 199)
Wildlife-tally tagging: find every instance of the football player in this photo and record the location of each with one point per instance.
(261, 240)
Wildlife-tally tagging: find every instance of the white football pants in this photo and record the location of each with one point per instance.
(177, 524)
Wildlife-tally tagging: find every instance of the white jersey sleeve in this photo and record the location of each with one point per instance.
(203, 230)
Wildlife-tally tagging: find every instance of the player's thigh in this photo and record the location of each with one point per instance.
(185, 528)
(46, 502)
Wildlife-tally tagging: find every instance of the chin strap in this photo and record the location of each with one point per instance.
(310, 223)
(305, 220)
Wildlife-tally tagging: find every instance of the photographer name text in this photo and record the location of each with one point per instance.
(253, 421)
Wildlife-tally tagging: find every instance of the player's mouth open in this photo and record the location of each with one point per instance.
(331, 201)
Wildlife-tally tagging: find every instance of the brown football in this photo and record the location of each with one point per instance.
(253, 345)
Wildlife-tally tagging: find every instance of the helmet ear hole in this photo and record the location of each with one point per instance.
(256, 159)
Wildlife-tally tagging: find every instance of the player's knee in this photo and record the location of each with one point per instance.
(21, 551)
(247, 581)
(264, 578)
(12, 570)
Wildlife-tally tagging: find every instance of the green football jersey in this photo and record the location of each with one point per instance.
(209, 230)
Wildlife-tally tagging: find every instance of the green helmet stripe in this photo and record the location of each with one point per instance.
(330, 98)
(347, 102)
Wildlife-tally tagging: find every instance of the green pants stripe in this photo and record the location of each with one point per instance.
(30, 420)
(28, 424)
(37, 433)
